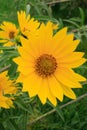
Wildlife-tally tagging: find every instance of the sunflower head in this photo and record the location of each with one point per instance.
(8, 33)
(27, 25)
(46, 64)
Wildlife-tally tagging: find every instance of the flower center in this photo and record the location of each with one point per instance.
(11, 35)
(45, 65)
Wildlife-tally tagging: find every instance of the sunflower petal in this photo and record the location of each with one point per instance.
(55, 88)
(68, 92)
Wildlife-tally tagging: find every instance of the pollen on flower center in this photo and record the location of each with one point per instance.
(11, 35)
(45, 65)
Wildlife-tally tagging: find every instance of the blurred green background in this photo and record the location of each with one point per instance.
(71, 13)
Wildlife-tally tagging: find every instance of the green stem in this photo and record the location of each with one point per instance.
(5, 68)
(57, 1)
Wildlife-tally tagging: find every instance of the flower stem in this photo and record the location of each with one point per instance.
(5, 68)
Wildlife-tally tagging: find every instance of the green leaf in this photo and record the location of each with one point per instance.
(21, 104)
(58, 110)
(71, 22)
(7, 48)
(46, 18)
(82, 16)
(27, 9)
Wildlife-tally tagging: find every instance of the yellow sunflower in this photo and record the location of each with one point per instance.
(27, 25)
(46, 63)
(6, 87)
(8, 33)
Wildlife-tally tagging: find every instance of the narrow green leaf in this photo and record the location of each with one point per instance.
(27, 9)
(58, 110)
(19, 102)
(71, 22)
(46, 18)
(82, 15)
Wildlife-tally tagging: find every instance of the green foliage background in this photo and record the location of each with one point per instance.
(73, 14)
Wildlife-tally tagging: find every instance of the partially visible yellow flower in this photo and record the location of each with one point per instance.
(7, 87)
(46, 64)
(8, 33)
(27, 25)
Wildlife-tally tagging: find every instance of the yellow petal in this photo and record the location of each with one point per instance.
(26, 70)
(55, 88)
(68, 92)
(5, 102)
(3, 41)
(74, 64)
(25, 55)
(79, 77)
(44, 93)
(21, 61)
(57, 37)
(72, 57)
(30, 47)
(74, 75)
(52, 98)
(4, 35)
(69, 48)
(61, 45)
(7, 86)
(10, 43)
(32, 84)
(65, 78)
